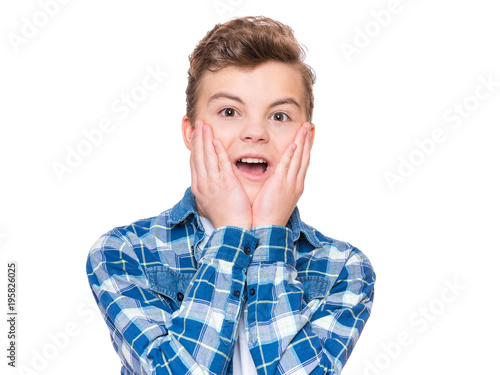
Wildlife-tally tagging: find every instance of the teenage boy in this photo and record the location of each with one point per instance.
(230, 280)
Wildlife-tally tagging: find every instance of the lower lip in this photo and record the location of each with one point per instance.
(255, 177)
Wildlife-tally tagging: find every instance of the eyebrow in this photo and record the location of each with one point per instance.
(218, 95)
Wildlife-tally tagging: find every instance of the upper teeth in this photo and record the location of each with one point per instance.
(252, 160)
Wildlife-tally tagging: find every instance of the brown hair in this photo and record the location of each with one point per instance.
(245, 43)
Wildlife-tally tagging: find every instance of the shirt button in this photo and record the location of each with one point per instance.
(252, 291)
(180, 297)
(236, 293)
(247, 250)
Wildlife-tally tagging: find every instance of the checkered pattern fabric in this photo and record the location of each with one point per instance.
(172, 298)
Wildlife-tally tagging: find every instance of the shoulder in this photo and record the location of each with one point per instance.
(138, 230)
(121, 243)
(321, 245)
(319, 255)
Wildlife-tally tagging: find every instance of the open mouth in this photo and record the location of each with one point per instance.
(256, 166)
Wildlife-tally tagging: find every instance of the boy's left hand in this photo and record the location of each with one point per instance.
(278, 197)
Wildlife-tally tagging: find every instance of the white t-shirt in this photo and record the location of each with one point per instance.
(242, 359)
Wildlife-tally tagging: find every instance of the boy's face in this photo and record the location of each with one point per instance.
(255, 113)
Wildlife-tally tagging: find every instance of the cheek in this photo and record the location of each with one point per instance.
(224, 137)
(283, 140)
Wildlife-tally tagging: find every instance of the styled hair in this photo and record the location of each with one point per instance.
(245, 43)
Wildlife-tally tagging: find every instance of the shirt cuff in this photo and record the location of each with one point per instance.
(231, 244)
(275, 244)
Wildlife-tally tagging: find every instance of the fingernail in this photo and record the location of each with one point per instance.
(203, 128)
(197, 123)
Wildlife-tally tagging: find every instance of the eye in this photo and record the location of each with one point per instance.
(228, 112)
(280, 116)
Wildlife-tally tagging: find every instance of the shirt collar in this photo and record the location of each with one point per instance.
(186, 208)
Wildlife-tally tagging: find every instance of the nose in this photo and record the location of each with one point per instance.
(254, 131)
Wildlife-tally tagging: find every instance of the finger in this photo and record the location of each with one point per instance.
(194, 178)
(306, 156)
(197, 151)
(284, 162)
(296, 162)
(209, 154)
(225, 165)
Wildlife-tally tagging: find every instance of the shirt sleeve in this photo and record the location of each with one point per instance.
(147, 334)
(286, 334)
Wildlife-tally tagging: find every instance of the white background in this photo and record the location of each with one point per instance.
(438, 227)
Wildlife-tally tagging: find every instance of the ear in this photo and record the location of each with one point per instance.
(187, 131)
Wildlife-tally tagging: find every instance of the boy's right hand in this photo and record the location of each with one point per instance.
(219, 194)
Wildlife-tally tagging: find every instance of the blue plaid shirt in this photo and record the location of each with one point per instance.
(172, 298)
